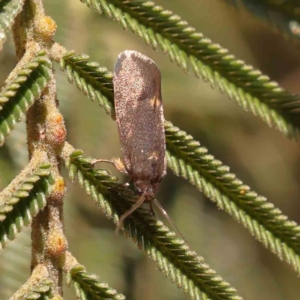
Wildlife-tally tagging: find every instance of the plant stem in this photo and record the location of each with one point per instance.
(46, 134)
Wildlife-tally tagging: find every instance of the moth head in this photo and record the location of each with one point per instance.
(147, 189)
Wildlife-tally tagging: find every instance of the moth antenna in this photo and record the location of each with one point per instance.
(151, 208)
(162, 210)
(129, 212)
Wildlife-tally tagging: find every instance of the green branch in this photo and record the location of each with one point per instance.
(86, 285)
(250, 88)
(274, 230)
(187, 159)
(37, 287)
(93, 81)
(20, 92)
(172, 255)
(23, 199)
(8, 11)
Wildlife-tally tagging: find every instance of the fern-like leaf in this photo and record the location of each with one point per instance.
(264, 221)
(8, 11)
(251, 89)
(88, 286)
(37, 287)
(40, 291)
(19, 93)
(261, 218)
(172, 255)
(20, 203)
(89, 78)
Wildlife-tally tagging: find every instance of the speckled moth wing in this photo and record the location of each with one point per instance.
(139, 115)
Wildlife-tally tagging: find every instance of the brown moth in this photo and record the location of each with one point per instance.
(140, 120)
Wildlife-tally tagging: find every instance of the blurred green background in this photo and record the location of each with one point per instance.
(260, 156)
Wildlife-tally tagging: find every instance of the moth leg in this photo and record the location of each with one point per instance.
(128, 213)
(117, 162)
(151, 208)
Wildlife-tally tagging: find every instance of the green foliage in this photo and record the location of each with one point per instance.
(88, 286)
(20, 204)
(8, 11)
(37, 287)
(251, 89)
(89, 78)
(19, 93)
(172, 255)
(40, 291)
(187, 159)
(274, 230)
(40, 183)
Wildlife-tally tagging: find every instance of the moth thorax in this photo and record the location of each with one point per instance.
(147, 189)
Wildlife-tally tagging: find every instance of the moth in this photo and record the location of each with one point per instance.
(140, 120)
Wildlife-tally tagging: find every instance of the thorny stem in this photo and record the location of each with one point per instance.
(33, 31)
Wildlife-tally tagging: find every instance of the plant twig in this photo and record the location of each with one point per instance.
(172, 255)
